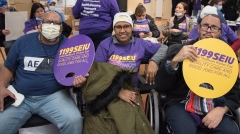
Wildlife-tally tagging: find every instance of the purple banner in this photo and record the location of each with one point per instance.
(146, 1)
(74, 58)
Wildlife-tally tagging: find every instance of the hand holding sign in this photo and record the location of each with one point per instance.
(74, 58)
(216, 70)
(189, 52)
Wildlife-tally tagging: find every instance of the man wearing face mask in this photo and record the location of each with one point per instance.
(51, 4)
(29, 67)
(3, 32)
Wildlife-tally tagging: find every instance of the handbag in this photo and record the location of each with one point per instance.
(175, 38)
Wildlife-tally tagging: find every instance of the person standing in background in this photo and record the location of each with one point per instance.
(4, 8)
(96, 18)
(51, 4)
(196, 7)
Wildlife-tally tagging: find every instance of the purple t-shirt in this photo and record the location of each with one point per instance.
(31, 24)
(139, 27)
(95, 15)
(182, 26)
(125, 56)
(228, 35)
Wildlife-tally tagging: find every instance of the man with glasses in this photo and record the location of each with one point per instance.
(227, 34)
(29, 68)
(169, 79)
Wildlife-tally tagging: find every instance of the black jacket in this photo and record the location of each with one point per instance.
(229, 5)
(204, 2)
(2, 25)
(152, 26)
(176, 89)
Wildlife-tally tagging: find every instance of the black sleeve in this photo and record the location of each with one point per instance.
(232, 97)
(67, 30)
(1, 34)
(166, 81)
(227, 3)
(153, 27)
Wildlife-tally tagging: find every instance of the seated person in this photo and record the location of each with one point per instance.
(4, 8)
(215, 5)
(51, 7)
(220, 112)
(227, 34)
(143, 24)
(29, 67)
(32, 25)
(124, 51)
(179, 22)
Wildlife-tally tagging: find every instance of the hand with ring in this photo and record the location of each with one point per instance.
(80, 80)
(128, 96)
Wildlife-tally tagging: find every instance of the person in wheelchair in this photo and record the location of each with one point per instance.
(120, 111)
(220, 112)
(29, 68)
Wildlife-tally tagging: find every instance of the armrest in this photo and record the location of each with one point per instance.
(238, 116)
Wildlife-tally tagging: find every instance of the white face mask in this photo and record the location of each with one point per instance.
(178, 14)
(50, 31)
(52, 8)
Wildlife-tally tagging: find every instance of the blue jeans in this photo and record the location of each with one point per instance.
(195, 13)
(59, 108)
(181, 122)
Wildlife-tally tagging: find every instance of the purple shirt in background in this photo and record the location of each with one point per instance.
(139, 27)
(125, 56)
(96, 15)
(227, 35)
(197, 5)
(31, 24)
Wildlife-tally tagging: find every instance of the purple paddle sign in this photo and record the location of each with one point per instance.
(74, 58)
(146, 1)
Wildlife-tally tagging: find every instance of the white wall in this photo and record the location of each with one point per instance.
(150, 7)
(159, 7)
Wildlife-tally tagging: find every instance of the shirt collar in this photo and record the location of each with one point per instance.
(116, 41)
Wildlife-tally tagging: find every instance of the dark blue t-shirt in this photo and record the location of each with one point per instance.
(34, 73)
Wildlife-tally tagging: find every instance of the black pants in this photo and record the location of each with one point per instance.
(181, 122)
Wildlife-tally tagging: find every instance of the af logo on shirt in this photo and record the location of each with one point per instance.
(38, 64)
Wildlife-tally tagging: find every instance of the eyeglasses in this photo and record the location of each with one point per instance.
(125, 27)
(212, 28)
(50, 22)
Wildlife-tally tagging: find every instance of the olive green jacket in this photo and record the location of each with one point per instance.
(105, 112)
